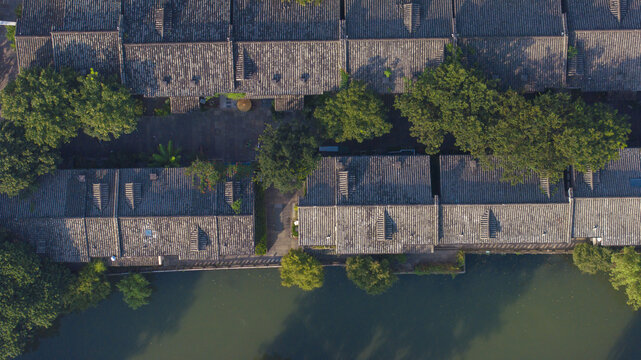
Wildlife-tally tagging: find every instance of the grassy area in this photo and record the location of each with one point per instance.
(261, 221)
(435, 269)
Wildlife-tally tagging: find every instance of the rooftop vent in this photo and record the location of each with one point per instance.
(195, 239)
(304, 77)
(618, 8)
(81, 178)
(240, 66)
(412, 16)
(195, 80)
(545, 186)
(276, 78)
(488, 226)
(133, 193)
(345, 179)
(153, 176)
(576, 63)
(591, 178)
(231, 189)
(100, 194)
(383, 227)
(163, 17)
(167, 80)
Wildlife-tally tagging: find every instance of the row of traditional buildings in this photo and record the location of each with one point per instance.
(133, 217)
(186, 49)
(387, 204)
(352, 205)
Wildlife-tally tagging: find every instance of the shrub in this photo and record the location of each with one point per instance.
(167, 156)
(374, 277)
(206, 173)
(89, 288)
(164, 110)
(626, 274)
(236, 206)
(260, 222)
(11, 35)
(592, 259)
(135, 290)
(301, 270)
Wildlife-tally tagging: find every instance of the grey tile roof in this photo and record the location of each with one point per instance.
(184, 104)
(34, 51)
(62, 240)
(508, 18)
(353, 229)
(620, 178)
(371, 180)
(368, 60)
(277, 20)
(288, 68)
(58, 196)
(155, 236)
(186, 69)
(317, 225)
(464, 181)
(175, 194)
(611, 60)
(82, 51)
(509, 223)
(597, 14)
(72, 216)
(617, 221)
(385, 19)
(90, 15)
(39, 17)
(103, 239)
(522, 63)
(185, 20)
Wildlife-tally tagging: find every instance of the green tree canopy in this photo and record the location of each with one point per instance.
(135, 290)
(89, 288)
(544, 135)
(105, 107)
(301, 269)
(626, 274)
(353, 113)
(40, 101)
(288, 153)
(31, 295)
(450, 99)
(375, 277)
(205, 173)
(21, 161)
(552, 132)
(592, 259)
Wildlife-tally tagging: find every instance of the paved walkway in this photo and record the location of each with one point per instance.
(279, 208)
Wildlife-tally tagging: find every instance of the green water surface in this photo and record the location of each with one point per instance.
(505, 307)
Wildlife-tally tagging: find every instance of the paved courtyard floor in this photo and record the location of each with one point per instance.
(228, 135)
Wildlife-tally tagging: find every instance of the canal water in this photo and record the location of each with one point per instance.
(505, 307)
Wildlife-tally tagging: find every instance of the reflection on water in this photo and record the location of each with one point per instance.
(505, 307)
